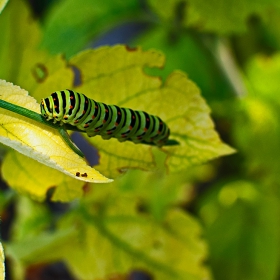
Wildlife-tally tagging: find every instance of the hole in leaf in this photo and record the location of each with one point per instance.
(77, 76)
(40, 72)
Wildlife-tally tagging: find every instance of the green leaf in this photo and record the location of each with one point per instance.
(122, 81)
(70, 26)
(220, 16)
(183, 51)
(37, 141)
(256, 127)
(2, 265)
(157, 190)
(19, 37)
(242, 226)
(29, 67)
(31, 218)
(3, 4)
(37, 249)
(5, 199)
(32, 234)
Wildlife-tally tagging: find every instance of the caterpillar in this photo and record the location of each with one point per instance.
(96, 118)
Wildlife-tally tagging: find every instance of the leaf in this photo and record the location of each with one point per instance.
(3, 4)
(69, 26)
(122, 81)
(183, 53)
(18, 172)
(39, 248)
(35, 68)
(256, 127)
(191, 123)
(17, 53)
(156, 191)
(33, 233)
(30, 67)
(118, 240)
(220, 16)
(2, 265)
(242, 226)
(37, 141)
(31, 218)
(111, 231)
(126, 240)
(118, 81)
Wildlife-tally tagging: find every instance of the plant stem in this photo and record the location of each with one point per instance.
(39, 118)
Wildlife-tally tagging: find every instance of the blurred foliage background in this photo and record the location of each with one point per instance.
(227, 211)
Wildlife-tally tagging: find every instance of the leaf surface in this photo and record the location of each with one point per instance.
(18, 171)
(247, 247)
(115, 239)
(137, 242)
(123, 82)
(117, 228)
(184, 53)
(30, 67)
(38, 141)
(220, 16)
(3, 4)
(116, 75)
(70, 26)
(2, 266)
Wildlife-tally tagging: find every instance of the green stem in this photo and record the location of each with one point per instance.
(69, 142)
(39, 118)
(61, 129)
(26, 113)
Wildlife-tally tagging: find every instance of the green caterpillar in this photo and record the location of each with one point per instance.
(96, 118)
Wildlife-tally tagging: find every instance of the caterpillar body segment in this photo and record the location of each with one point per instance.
(96, 118)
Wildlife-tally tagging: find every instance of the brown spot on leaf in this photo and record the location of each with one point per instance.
(130, 49)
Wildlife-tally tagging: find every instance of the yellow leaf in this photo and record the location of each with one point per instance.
(39, 142)
(191, 125)
(2, 267)
(3, 4)
(172, 249)
(118, 81)
(18, 172)
(114, 75)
